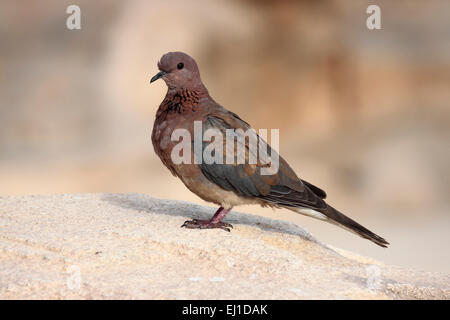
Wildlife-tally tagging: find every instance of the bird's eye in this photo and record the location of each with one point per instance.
(180, 65)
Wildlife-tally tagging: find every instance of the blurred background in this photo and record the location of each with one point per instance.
(364, 114)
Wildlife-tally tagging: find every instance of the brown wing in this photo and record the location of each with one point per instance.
(283, 188)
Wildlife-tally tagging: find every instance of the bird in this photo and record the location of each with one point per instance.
(227, 185)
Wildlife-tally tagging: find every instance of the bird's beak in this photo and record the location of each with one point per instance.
(158, 76)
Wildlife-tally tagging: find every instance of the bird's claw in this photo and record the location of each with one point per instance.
(206, 224)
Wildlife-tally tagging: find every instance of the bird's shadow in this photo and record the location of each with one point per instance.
(144, 203)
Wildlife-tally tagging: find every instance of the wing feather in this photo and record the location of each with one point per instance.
(281, 189)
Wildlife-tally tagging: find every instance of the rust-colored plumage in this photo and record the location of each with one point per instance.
(227, 185)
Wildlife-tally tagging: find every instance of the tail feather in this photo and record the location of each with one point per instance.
(345, 222)
(333, 216)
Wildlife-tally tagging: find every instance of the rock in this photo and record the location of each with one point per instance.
(119, 246)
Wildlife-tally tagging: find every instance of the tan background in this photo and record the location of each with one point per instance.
(363, 114)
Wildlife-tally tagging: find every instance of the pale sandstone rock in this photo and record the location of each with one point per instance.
(131, 246)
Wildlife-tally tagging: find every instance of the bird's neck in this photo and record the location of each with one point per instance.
(198, 88)
(180, 100)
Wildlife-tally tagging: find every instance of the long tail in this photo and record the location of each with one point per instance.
(333, 216)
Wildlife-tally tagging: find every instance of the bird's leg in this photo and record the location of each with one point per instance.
(214, 222)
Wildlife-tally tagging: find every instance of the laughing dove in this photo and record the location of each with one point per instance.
(187, 104)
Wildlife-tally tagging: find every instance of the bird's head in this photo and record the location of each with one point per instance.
(178, 70)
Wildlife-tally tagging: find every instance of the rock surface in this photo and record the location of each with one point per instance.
(131, 246)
